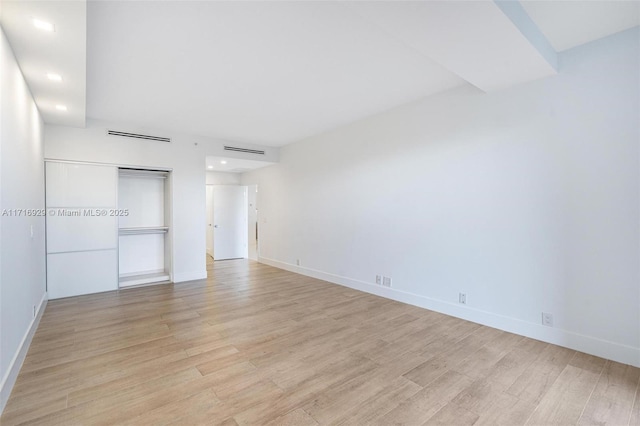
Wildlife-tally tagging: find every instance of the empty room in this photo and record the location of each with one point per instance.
(319, 212)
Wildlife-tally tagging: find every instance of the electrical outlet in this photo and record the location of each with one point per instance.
(379, 279)
(547, 319)
(462, 298)
(386, 281)
(34, 311)
(298, 262)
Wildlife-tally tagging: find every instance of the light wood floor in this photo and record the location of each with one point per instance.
(258, 345)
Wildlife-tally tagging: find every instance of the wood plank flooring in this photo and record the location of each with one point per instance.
(254, 344)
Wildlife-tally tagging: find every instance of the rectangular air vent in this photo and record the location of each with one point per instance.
(137, 136)
(248, 151)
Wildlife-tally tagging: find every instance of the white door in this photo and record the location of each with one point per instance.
(252, 214)
(82, 240)
(210, 220)
(229, 222)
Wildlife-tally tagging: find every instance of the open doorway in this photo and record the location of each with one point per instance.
(227, 222)
(227, 172)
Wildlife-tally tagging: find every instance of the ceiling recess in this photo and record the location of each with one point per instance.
(245, 150)
(138, 136)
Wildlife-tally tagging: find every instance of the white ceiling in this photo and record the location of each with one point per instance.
(261, 72)
(62, 51)
(474, 40)
(271, 72)
(568, 24)
(233, 165)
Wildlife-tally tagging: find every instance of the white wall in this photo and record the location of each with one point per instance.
(185, 155)
(22, 276)
(223, 178)
(526, 199)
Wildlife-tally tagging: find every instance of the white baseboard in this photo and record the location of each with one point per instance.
(11, 375)
(591, 345)
(189, 276)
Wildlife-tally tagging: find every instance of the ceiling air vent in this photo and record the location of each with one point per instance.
(245, 150)
(137, 136)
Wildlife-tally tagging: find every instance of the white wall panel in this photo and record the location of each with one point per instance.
(79, 233)
(72, 274)
(81, 185)
(222, 178)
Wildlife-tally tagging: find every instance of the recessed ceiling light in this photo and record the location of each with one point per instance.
(61, 107)
(54, 77)
(42, 25)
(223, 162)
(209, 167)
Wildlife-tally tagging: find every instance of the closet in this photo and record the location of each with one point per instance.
(107, 227)
(143, 231)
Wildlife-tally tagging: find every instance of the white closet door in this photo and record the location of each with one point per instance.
(81, 246)
(81, 185)
(82, 272)
(81, 233)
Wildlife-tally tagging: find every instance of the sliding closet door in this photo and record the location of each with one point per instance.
(82, 229)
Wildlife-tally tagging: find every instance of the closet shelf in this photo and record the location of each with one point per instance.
(144, 230)
(130, 280)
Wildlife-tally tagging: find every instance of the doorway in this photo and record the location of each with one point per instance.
(227, 222)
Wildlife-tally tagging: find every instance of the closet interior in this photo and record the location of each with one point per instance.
(143, 227)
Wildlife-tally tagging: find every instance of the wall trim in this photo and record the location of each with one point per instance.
(189, 276)
(9, 379)
(568, 339)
